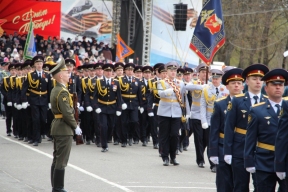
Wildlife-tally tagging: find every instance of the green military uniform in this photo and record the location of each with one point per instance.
(61, 129)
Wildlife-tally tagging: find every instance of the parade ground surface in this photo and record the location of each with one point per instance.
(25, 168)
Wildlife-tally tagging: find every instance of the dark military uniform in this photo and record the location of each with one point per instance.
(107, 98)
(37, 86)
(235, 130)
(261, 134)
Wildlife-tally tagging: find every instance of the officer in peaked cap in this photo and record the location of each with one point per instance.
(236, 125)
(132, 99)
(180, 73)
(138, 71)
(210, 93)
(262, 132)
(107, 104)
(62, 131)
(118, 69)
(37, 86)
(233, 81)
(37, 58)
(70, 62)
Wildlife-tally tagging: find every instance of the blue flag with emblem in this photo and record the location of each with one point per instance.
(30, 48)
(209, 35)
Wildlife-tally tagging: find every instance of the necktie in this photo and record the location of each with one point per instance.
(278, 109)
(129, 79)
(256, 99)
(108, 83)
(39, 74)
(217, 91)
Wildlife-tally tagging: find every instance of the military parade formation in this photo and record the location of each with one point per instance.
(243, 130)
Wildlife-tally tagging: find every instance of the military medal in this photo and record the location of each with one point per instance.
(229, 107)
(46, 79)
(114, 87)
(136, 83)
(268, 122)
(225, 111)
(243, 111)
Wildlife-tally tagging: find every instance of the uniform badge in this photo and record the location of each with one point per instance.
(221, 89)
(114, 87)
(46, 79)
(64, 99)
(268, 122)
(229, 107)
(225, 111)
(243, 111)
(136, 83)
(249, 118)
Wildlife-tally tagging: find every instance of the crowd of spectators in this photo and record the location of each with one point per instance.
(88, 51)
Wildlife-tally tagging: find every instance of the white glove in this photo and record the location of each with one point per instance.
(151, 114)
(15, 105)
(89, 109)
(168, 92)
(153, 105)
(118, 113)
(78, 104)
(187, 117)
(228, 159)
(24, 105)
(138, 107)
(78, 131)
(19, 106)
(81, 108)
(9, 104)
(251, 169)
(98, 110)
(205, 125)
(214, 159)
(124, 106)
(281, 175)
(141, 110)
(49, 105)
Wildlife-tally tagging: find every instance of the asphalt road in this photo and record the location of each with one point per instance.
(25, 168)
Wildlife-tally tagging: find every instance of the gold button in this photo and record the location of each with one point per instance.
(108, 95)
(130, 101)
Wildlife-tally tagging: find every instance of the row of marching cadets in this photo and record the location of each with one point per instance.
(248, 133)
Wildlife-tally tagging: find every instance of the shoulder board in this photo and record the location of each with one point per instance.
(222, 98)
(265, 96)
(240, 95)
(5, 77)
(115, 79)
(285, 98)
(258, 104)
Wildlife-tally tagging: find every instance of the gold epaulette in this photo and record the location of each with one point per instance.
(115, 79)
(285, 98)
(258, 104)
(240, 95)
(265, 96)
(222, 98)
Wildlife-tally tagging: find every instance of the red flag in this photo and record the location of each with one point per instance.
(77, 61)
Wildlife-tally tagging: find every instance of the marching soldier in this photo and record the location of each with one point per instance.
(7, 100)
(118, 69)
(180, 73)
(224, 177)
(261, 133)
(153, 103)
(195, 116)
(107, 103)
(37, 85)
(236, 124)
(132, 98)
(171, 112)
(62, 126)
(210, 93)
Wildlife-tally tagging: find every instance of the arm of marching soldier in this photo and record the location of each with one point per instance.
(24, 91)
(192, 87)
(94, 97)
(215, 130)
(229, 127)
(150, 97)
(78, 88)
(184, 94)
(66, 109)
(251, 138)
(139, 93)
(281, 144)
(119, 99)
(49, 85)
(203, 110)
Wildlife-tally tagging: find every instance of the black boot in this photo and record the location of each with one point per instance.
(52, 174)
(58, 180)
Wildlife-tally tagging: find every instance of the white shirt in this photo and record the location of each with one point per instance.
(273, 105)
(252, 99)
(38, 73)
(108, 79)
(145, 81)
